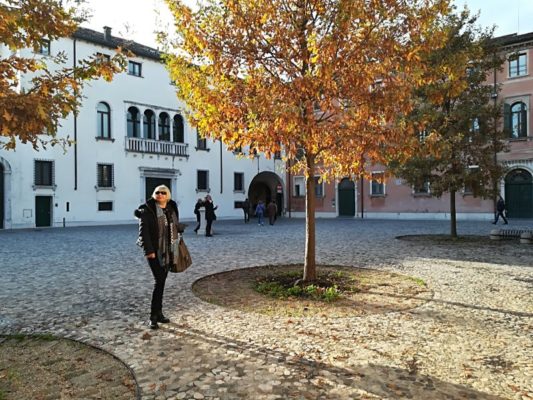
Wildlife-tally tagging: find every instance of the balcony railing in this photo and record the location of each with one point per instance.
(139, 145)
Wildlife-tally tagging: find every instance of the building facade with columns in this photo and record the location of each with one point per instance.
(393, 198)
(130, 136)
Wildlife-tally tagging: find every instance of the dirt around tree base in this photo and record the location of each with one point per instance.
(45, 367)
(371, 292)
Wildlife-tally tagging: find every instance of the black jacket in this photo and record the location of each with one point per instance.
(148, 228)
(210, 211)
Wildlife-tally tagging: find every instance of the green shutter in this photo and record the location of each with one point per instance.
(523, 123)
(507, 124)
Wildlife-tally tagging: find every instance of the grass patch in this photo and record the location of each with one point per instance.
(420, 282)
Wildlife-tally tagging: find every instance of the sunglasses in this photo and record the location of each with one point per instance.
(161, 193)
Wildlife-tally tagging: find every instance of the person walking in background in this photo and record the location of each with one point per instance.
(272, 211)
(199, 204)
(158, 237)
(260, 212)
(209, 215)
(246, 210)
(500, 208)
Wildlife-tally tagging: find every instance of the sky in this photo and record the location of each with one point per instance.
(137, 19)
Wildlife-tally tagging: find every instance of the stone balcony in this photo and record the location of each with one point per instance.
(140, 145)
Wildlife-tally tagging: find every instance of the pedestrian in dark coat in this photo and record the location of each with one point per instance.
(159, 231)
(500, 208)
(199, 204)
(272, 211)
(209, 215)
(246, 209)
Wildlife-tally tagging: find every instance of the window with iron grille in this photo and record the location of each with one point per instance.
(202, 181)
(104, 176)
(238, 182)
(105, 206)
(43, 173)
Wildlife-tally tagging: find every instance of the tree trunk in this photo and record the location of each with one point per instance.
(310, 259)
(453, 215)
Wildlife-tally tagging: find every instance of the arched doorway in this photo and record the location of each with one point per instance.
(266, 186)
(519, 194)
(2, 196)
(346, 198)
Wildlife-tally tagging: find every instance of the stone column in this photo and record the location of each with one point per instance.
(201, 231)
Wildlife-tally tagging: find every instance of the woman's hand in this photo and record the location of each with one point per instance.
(150, 256)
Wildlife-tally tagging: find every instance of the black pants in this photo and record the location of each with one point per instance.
(199, 222)
(498, 215)
(208, 223)
(246, 216)
(160, 276)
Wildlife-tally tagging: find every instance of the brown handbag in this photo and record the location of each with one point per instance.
(183, 260)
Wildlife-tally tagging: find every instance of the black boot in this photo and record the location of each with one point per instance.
(161, 318)
(152, 323)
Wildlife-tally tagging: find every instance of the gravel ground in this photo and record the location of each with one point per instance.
(473, 340)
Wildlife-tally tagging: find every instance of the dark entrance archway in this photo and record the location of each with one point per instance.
(266, 186)
(519, 194)
(346, 198)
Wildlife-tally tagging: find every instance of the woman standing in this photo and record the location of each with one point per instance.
(158, 237)
(209, 214)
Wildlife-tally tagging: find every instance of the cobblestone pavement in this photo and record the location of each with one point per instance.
(472, 340)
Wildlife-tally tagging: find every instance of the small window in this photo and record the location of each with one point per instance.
(105, 206)
(43, 173)
(518, 120)
(377, 184)
(104, 176)
(103, 121)
(422, 135)
(517, 65)
(134, 68)
(319, 187)
(202, 181)
(238, 182)
(43, 47)
(422, 189)
(106, 58)
(201, 141)
(299, 186)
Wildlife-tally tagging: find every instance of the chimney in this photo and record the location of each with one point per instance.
(107, 33)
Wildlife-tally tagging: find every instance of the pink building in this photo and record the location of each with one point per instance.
(395, 199)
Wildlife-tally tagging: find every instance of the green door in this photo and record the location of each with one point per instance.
(43, 211)
(346, 198)
(519, 194)
(152, 183)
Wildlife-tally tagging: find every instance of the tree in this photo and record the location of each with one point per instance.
(457, 123)
(322, 79)
(31, 113)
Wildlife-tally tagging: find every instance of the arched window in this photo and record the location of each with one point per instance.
(516, 119)
(164, 127)
(149, 124)
(134, 122)
(103, 120)
(179, 135)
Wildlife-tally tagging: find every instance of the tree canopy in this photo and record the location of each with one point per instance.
(457, 126)
(324, 80)
(30, 112)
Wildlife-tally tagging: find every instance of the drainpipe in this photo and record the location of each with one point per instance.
(362, 198)
(495, 99)
(75, 129)
(290, 187)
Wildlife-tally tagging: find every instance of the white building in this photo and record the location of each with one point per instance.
(130, 135)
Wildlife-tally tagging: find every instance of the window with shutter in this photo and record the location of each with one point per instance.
(43, 173)
(104, 176)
